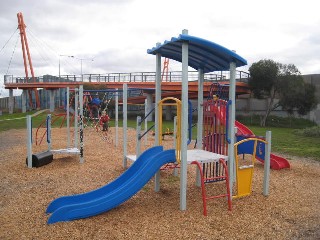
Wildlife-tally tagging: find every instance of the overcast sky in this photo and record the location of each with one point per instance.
(117, 33)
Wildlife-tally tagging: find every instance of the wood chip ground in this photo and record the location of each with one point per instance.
(292, 211)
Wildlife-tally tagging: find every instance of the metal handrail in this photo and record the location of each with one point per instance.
(173, 76)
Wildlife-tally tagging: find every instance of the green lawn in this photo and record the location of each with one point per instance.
(283, 139)
(18, 120)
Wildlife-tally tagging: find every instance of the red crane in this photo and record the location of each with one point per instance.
(165, 70)
(26, 51)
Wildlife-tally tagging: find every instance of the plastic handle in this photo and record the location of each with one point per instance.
(48, 130)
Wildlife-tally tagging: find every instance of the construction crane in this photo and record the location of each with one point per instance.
(165, 70)
(27, 60)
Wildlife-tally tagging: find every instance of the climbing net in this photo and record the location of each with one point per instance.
(95, 103)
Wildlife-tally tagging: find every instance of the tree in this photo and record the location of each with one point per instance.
(302, 99)
(264, 83)
(270, 79)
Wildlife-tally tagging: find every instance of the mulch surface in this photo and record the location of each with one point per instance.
(292, 211)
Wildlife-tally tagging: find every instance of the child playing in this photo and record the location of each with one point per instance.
(104, 121)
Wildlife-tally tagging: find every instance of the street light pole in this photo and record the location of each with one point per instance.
(83, 59)
(60, 55)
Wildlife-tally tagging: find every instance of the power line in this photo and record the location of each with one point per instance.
(8, 40)
(42, 49)
(45, 46)
(12, 55)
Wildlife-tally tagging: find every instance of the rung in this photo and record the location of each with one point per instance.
(217, 196)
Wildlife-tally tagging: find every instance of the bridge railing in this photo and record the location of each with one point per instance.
(173, 76)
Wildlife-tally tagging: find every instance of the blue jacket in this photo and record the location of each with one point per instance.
(96, 101)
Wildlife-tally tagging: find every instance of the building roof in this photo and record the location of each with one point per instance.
(203, 54)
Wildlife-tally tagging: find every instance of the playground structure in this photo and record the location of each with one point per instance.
(92, 203)
(244, 167)
(43, 158)
(215, 131)
(276, 162)
(113, 194)
(41, 131)
(205, 57)
(217, 159)
(94, 105)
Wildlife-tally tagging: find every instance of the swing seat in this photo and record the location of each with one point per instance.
(41, 159)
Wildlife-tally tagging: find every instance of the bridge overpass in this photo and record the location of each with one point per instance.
(170, 85)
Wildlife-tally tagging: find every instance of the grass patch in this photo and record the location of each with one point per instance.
(19, 120)
(274, 121)
(285, 140)
(308, 132)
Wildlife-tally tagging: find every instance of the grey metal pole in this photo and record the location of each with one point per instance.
(76, 100)
(49, 131)
(138, 133)
(81, 134)
(29, 140)
(117, 117)
(200, 119)
(175, 170)
(145, 121)
(184, 128)
(231, 124)
(158, 95)
(68, 118)
(125, 119)
(266, 178)
(157, 100)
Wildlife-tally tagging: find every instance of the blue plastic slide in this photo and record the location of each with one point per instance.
(113, 194)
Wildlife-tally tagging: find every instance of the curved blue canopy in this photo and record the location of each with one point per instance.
(203, 54)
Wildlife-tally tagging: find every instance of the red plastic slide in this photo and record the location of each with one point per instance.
(276, 162)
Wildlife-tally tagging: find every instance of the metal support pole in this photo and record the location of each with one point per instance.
(138, 134)
(76, 103)
(81, 135)
(29, 140)
(117, 117)
(231, 124)
(175, 170)
(150, 106)
(266, 178)
(49, 131)
(158, 98)
(184, 128)
(145, 121)
(68, 118)
(200, 119)
(125, 119)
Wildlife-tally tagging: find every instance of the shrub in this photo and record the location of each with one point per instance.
(275, 121)
(308, 132)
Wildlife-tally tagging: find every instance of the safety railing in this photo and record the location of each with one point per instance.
(173, 76)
